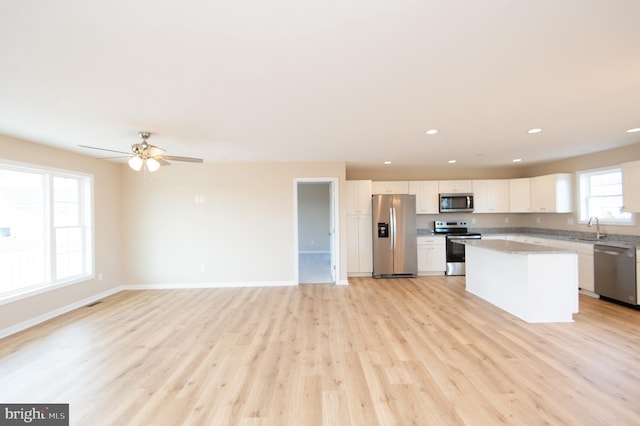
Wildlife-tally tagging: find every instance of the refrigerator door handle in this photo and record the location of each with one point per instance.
(392, 219)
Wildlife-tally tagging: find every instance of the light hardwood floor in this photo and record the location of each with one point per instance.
(390, 351)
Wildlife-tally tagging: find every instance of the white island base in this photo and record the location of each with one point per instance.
(534, 283)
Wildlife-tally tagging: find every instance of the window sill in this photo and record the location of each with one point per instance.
(17, 295)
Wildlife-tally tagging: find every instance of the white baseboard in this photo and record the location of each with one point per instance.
(57, 312)
(359, 274)
(208, 285)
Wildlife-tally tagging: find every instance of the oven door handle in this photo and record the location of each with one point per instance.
(463, 237)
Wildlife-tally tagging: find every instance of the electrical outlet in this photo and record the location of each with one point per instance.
(506, 220)
(473, 220)
(202, 268)
(570, 221)
(538, 220)
(100, 276)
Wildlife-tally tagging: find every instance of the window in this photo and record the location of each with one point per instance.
(601, 196)
(45, 229)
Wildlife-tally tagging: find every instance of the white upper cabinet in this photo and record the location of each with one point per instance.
(455, 186)
(390, 187)
(426, 192)
(552, 193)
(491, 196)
(358, 197)
(630, 183)
(520, 195)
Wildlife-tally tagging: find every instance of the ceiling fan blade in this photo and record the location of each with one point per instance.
(162, 162)
(114, 158)
(104, 149)
(154, 151)
(187, 159)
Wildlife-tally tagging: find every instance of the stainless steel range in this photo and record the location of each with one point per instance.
(455, 230)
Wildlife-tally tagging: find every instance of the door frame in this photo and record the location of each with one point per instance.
(334, 220)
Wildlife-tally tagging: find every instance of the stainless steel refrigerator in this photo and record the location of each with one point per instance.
(395, 251)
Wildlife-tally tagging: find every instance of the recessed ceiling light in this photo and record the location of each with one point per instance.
(534, 130)
(517, 160)
(452, 161)
(635, 129)
(387, 162)
(431, 131)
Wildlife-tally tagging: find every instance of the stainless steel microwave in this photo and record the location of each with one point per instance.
(456, 203)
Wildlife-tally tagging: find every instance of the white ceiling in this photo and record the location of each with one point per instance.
(332, 80)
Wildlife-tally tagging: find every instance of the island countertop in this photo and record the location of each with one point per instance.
(513, 247)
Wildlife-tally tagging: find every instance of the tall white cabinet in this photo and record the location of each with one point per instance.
(359, 228)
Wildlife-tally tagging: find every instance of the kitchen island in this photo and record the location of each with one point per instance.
(533, 282)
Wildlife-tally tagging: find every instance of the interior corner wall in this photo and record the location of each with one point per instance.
(217, 223)
(107, 226)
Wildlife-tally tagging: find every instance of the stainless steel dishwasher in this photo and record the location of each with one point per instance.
(614, 268)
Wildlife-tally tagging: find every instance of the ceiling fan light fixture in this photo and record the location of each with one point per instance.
(152, 164)
(136, 163)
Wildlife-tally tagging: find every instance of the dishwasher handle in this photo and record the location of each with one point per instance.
(610, 252)
(615, 251)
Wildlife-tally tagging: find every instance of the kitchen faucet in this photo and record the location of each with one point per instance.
(590, 223)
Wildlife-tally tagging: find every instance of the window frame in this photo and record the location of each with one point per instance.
(87, 221)
(583, 215)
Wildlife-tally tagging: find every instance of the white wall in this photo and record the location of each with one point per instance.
(242, 233)
(107, 222)
(149, 230)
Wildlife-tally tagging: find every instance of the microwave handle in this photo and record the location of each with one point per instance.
(468, 201)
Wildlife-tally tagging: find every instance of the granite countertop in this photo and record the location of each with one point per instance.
(513, 247)
(620, 240)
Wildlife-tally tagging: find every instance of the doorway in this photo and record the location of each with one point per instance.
(315, 231)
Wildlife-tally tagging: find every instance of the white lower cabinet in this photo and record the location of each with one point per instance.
(585, 271)
(359, 245)
(432, 258)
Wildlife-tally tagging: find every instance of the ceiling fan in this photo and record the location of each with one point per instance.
(144, 154)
